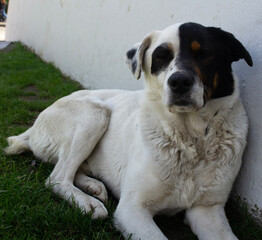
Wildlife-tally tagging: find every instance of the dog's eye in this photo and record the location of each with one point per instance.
(204, 57)
(163, 55)
(161, 58)
(204, 53)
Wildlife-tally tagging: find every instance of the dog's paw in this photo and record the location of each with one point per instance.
(97, 190)
(91, 186)
(93, 206)
(76, 197)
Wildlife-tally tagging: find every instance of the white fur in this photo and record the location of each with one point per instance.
(153, 159)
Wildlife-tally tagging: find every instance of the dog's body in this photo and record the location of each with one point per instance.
(175, 145)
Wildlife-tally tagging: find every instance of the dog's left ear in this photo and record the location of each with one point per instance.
(237, 50)
(135, 56)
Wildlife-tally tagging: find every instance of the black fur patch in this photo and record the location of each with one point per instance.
(212, 61)
(134, 66)
(161, 58)
(131, 53)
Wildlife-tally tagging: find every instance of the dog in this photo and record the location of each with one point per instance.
(176, 145)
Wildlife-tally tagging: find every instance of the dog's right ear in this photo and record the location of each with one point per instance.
(135, 56)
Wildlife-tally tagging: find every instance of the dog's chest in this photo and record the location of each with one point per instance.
(195, 168)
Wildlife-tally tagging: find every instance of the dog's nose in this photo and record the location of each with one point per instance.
(180, 82)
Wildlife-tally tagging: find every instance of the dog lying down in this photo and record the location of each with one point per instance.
(176, 145)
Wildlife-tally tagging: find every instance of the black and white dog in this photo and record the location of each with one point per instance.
(175, 145)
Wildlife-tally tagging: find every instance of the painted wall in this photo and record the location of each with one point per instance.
(87, 40)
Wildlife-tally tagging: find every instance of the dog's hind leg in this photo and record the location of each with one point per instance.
(85, 136)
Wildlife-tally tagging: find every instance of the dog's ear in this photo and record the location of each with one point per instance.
(135, 56)
(237, 50)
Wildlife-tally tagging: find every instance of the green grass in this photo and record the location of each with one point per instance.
(28, 210)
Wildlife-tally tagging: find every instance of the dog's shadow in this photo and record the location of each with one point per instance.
(174, 227)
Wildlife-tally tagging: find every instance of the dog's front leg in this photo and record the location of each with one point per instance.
(136, 220)
(209, 223)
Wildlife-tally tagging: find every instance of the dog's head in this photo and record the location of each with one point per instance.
(187, 64)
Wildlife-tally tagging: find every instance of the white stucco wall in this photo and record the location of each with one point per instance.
(87, 40)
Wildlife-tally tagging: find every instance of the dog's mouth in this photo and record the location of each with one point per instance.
(182, 102)
(182, 105)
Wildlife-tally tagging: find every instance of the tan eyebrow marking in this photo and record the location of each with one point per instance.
(195, 46)
(198, 72)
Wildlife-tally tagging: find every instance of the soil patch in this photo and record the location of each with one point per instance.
(31, 88)
(8, 48)
(32, 91)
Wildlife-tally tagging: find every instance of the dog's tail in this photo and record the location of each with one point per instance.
(18, 144)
